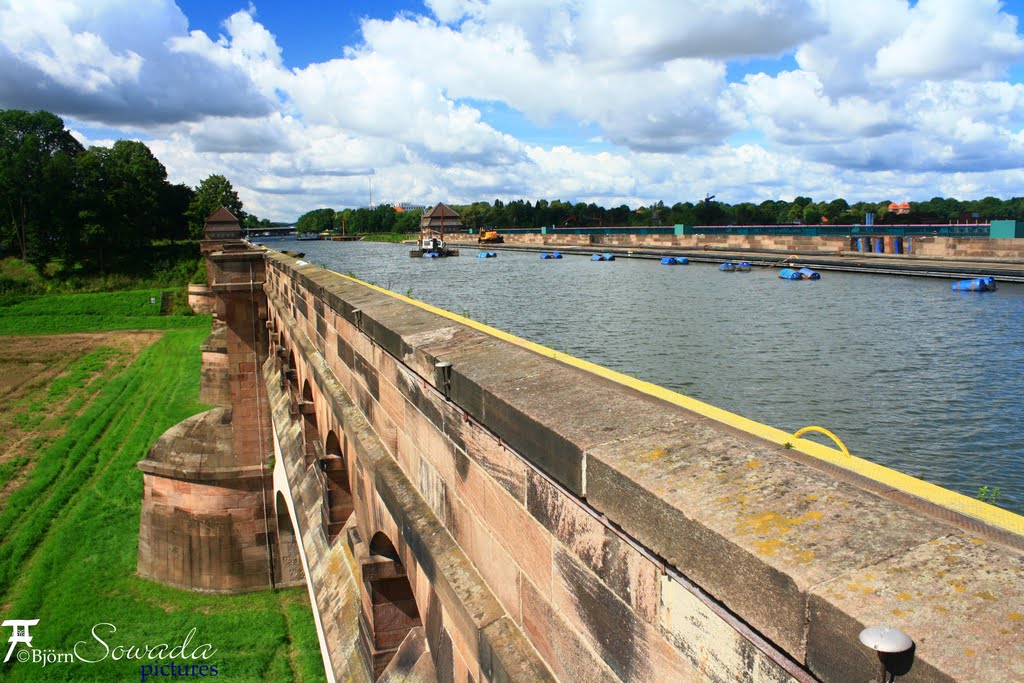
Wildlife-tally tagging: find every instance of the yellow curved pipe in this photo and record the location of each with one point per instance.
(827, 433)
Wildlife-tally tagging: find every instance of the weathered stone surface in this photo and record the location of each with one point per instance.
(633, 578)
(199, 447)
(707, 498)
(960, 598)
(633, 649)
(412, 662)
(715, 650)
(502, 646)
(561, 647)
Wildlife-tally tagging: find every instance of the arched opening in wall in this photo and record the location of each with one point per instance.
(310, 433)
(388, 607)
(292, 373)
(288, 562)
(337, 490)
(382, 547)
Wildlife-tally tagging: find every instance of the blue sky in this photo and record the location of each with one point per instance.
(307, 30)
(597, 100)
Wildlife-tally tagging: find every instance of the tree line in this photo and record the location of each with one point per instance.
(70, 209)
(522, 213)
(382, 218)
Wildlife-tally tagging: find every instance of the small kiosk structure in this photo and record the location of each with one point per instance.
(434, 224)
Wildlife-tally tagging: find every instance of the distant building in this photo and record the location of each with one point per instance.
(899, 209)
(439, 221)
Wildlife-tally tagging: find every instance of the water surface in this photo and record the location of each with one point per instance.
(908, 373)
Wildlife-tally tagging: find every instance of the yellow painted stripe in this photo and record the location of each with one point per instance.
(990, 514)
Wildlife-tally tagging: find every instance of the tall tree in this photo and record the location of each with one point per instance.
(121, 197)
(36, 178)
(316, 220)
(175, 200)
(215, 191)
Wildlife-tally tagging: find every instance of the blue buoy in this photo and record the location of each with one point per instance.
(555, 254)
(809, 274)
(487, 254)
(597, 257)
(668, 261)
(727, 267)
(743, 267)
(978, 284)
(431, 254)
(682, 260)
(790, 274)
(608, 257)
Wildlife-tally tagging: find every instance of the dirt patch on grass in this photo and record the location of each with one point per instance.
(28, 366)
(32, 362)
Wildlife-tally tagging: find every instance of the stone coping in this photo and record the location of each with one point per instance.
(778, 541)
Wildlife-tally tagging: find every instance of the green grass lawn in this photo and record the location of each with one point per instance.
(65, 313)
(69, 528)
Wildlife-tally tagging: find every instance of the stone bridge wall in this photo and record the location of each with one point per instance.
(553, 524)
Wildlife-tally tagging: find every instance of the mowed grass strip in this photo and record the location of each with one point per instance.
(66, 313)
(70, 539)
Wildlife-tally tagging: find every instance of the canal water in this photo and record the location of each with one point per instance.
(908, 373)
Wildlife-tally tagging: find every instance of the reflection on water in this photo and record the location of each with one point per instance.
(908, 373)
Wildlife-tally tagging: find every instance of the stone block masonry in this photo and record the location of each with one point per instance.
(573, 501)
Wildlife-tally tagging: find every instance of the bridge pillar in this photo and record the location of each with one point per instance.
(205, 522)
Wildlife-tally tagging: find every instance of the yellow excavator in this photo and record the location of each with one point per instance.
(489, 237)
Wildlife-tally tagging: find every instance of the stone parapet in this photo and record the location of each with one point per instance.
(577, 500)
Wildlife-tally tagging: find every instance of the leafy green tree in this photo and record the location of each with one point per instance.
(408, 221)
(811, 215)
(36, 178)
(836, 208)
(175, 200)
(212, 193)
(317, 220)
(122, 191)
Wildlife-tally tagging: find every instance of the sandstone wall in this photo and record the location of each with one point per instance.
(555, 522)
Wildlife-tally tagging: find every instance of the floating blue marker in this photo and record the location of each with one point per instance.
(978, 284)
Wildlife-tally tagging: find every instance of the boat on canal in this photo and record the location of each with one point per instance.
(431, 242)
